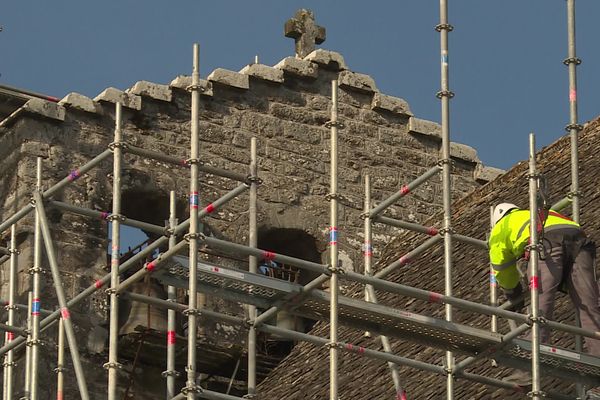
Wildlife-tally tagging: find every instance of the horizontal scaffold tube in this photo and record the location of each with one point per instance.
(138, 151)
(562, 204)
(24, 307)
(431, 231)
(13, 329)
(397, 288)
(145, 226)
(404, 190)
(73, 175)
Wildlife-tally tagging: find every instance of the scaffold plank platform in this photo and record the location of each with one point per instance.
(263, 291)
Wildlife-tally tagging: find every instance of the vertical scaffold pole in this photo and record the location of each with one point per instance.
(60, 367)
(36, 304)
(9, 362)
(27, 388)
(333, 247)
(445, 95)
(60, 294)
(370, 292)
(252, 267)
(171, 373)
(574, 128)
(536, 392)
(115, 218)
(191, 388)
(493, 291)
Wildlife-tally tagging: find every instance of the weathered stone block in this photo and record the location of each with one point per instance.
(112, 95)
(328, 59)
(152, 90)
(229, 78)
(392, 104)
(463, 152)
(424, 127)
(354, 81)
(185, 81)
(80, 102)
(298, 67)
(487, 174)
(45, 109)
(264, 72)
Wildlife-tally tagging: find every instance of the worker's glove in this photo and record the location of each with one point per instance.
(516, 297)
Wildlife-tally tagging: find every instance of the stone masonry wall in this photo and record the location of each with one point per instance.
(285, 107)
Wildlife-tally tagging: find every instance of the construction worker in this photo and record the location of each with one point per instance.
(567, 262)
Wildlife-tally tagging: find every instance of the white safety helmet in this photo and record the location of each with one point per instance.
(501, 210)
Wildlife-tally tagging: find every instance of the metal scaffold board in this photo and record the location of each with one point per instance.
(263, 291)
(556, 361)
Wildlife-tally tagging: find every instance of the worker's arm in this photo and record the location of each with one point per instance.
(504, 264)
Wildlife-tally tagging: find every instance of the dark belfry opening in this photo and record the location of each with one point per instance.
(296, 243)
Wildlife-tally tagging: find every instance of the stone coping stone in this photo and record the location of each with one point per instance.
(424, 127)
(328, 59)
(299, 67)
(392, 104)
(153, 90)
(356, 81)
(80, 102)
(44, 108)
(112, 95)
(185, 81)
(487, 174)
(264, 72)
(229, 78)
(463, 152)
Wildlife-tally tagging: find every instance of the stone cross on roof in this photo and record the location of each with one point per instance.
(306, 33)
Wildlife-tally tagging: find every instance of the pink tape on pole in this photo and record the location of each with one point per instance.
(151, 266)
(534, 282)
(435, 297)
(215, 269)
(572, 95)
(356, 349)
(170, 337)
(98, 284)
(59, 395)
(404, 190)
(64, 312)
(184, 163)
(268, 255)
(404, 260)
(73, 175)
(432, 231)
(209, 208)
(104, 215)
(401, 395)
(10, 336)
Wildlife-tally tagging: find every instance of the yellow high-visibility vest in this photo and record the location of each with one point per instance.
(508, 240)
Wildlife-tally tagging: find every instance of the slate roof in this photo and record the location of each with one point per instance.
(304, 374)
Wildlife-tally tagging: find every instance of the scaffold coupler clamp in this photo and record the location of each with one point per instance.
(445, 93)
(334, 270)
(35, 342)
(444, 161)
(539, 320)
(334, 124)
(250, 396)
(443, 231)
(576, 193)
(9, 364)
(193, 87)
(115, 365)
(191, 161)
(117, 145)
(570, 127)
(253, 179)
(572, 60)
(197, 236)
(537, 394)
(167, 373)
(192, 311)
(334, 196)
(60, 369)
(444, 27)
(191, 389)
(115, 217)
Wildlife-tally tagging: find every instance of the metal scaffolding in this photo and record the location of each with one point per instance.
(272, 295)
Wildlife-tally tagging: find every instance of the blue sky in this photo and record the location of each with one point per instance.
(505, 56)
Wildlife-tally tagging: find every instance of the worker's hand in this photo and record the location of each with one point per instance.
(516, 297)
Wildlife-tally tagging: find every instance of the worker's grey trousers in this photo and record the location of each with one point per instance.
(568, 260)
